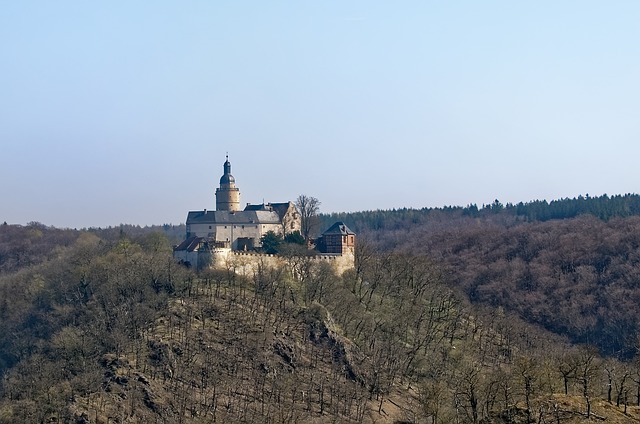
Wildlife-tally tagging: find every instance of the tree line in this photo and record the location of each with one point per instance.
(603, 207)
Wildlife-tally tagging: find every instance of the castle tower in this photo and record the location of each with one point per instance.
(227, 196)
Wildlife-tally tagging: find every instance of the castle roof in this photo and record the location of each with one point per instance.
(231, 217)
(338, 228)
(259, 207)
(190, 245)
(280, 208)
(227, 178)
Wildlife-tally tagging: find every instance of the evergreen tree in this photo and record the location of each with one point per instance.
(271, 242)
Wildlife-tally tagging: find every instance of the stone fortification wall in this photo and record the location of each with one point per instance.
(248, 262)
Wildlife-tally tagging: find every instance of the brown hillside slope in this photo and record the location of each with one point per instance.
(567, 409)
(231, 357)
(120, 333)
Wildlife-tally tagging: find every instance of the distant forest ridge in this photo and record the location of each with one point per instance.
(603, 207)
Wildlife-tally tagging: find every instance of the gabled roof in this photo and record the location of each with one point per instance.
(338, 228)
(190, 245)
(229, 217)
(259, 207)
(280, 208)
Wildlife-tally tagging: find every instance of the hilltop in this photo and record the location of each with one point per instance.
(106, 327)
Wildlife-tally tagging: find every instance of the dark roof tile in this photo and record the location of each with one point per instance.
(339, 228)
(190, 245)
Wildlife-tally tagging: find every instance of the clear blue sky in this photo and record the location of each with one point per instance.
(122, 112)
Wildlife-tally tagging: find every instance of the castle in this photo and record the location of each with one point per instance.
(230, 227)
(215, 237)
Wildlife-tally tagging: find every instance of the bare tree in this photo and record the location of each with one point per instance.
(308, 207)
(588, 367)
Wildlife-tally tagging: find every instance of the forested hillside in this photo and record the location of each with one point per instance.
(114, 331)
(577, 274)
(444, 319)
(21, 247)
(24, 246)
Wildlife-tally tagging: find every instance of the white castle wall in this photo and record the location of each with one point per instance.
(248, 262)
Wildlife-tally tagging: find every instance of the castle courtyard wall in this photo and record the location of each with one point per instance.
(247, 263)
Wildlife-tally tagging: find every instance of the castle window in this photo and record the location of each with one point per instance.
(209, 226)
